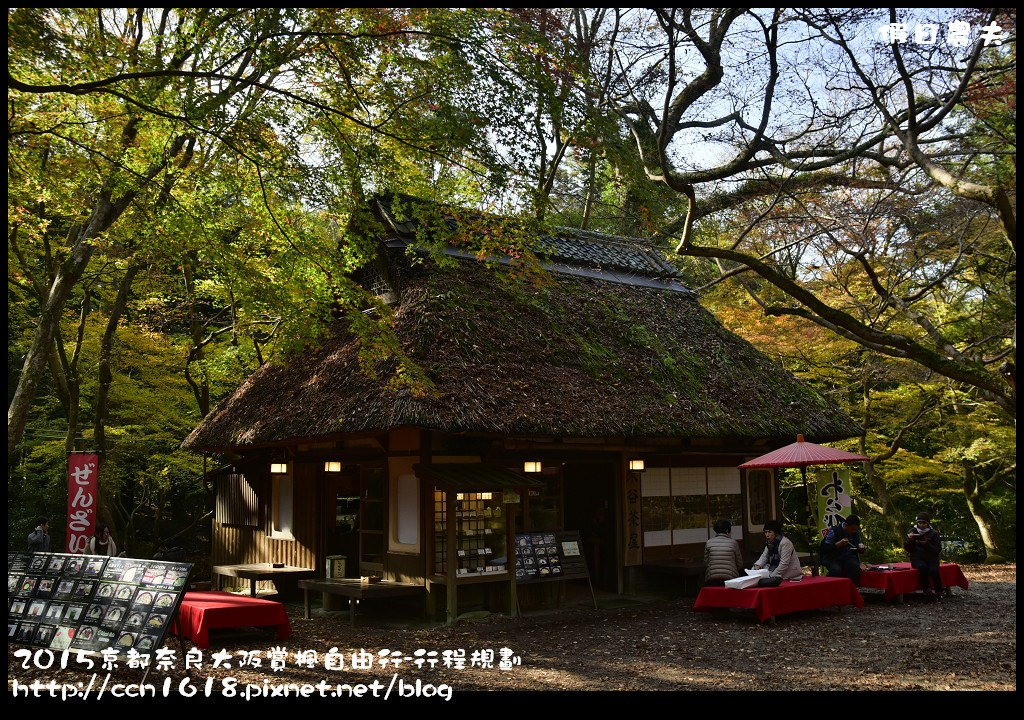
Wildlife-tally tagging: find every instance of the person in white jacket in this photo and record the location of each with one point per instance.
(101, 543)
(779, 555)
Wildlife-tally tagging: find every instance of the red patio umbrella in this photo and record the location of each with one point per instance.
(799, 455)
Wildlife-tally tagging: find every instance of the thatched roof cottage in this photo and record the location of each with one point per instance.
(608, 362)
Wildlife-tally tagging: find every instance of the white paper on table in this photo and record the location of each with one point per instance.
(743, 582)
(763, 572)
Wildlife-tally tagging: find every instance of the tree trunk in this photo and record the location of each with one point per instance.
(69, 374)
(982, 516)
(38, 357)
(59, 374)
(158, 516)
(888, 509)
(108, 503)
(105, 213)
(200, 389)
(886, 506)
(74, 410)
(105, 375)
(588, 207)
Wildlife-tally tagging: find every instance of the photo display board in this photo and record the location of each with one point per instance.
(542, 556)
(91, 602)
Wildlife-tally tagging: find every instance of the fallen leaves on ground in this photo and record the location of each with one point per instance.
(965, 642)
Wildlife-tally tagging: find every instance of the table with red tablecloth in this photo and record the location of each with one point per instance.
(902, 578)
(810, 593)
(201, 612)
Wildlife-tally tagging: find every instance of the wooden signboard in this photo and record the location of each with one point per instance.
(632, 532)
(544, 556)
(92, 602)
(550, 556)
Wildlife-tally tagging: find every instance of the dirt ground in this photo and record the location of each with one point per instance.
(966, 641)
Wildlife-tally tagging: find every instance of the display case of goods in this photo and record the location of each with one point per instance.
(480, 539)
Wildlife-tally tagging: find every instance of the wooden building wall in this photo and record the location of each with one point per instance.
(237, 538)
(235, 544)
(406, 447)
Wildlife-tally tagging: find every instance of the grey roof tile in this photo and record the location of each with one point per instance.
(629, 260)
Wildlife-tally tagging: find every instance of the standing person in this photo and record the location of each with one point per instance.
(841, 548)
(779, 555)
(101, 543)
(722, 556)
(924, 545)
(39, 539)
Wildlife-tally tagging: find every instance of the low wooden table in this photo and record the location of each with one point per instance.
(254, 572)
(356, 590)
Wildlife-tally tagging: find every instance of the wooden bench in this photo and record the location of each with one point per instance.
(254, 572)
(202, 612)
(356, 590)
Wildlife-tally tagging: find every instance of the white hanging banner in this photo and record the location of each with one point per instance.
(833, 489)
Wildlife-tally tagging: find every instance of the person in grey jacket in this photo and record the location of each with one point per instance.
(779, 555)
(39, 539)
(722, 556)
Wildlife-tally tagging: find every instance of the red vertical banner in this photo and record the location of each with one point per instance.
(82, 494)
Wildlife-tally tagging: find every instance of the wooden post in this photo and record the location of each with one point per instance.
(452, 526)
(510, 556)
(812, 523)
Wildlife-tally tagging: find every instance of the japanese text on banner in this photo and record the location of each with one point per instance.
(833, 491)
(82, 494)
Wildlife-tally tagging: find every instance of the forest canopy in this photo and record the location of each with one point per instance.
(183, 188)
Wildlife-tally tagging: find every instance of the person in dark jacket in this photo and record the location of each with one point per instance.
(841, 548)
(923, 546)
(722, 558)
(39, 539)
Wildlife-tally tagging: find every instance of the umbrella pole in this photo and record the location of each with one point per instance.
(811, 524)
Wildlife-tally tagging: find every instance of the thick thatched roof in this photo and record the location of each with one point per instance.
(578, 357)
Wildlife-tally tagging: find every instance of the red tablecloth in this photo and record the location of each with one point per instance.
(905, 579)
(810, 593)
(201, 612)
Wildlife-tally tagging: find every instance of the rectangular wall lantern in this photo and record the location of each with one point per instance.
(279, 468)
(331, 466)
(531, 466)
(636, 464)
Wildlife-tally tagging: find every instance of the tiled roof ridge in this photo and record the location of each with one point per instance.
(608, 238)
(657, 265)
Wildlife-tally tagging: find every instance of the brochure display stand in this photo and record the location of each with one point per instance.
(92, 602)
(551, 556)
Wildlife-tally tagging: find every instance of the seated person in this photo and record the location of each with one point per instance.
(722, 558)
(841, 548)
(779, 555)
(923, 546)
